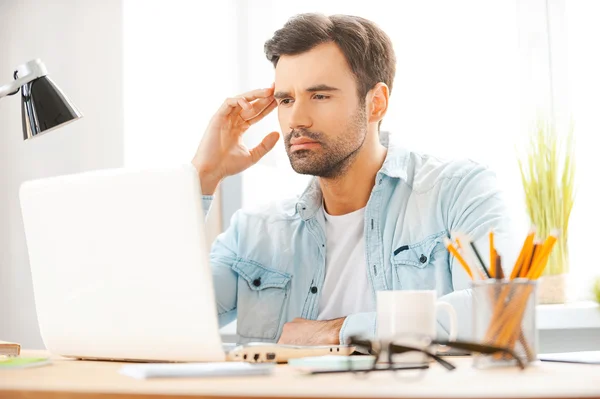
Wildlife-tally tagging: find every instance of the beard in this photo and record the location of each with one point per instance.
(332, 157)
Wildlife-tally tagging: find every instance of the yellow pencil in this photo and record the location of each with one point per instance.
(458, 257)
(525, 254)
(542, 267)
(458, 243)
(540, 261)
(529, 257)
(492, 255)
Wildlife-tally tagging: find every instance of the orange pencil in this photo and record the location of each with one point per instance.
(524, 256)
(537, 245)
(541, 260)
(492, 255)
(458, 257)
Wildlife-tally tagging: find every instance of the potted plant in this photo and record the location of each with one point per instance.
(548, 173)
(596, 290)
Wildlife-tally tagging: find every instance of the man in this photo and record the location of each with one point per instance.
(305, 271)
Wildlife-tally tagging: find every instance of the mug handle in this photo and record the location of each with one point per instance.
(453, 319)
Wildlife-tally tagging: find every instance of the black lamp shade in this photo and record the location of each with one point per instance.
(44, 107)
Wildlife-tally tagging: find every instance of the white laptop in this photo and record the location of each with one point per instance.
(119, 261)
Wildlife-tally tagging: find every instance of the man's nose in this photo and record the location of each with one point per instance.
(300, 116)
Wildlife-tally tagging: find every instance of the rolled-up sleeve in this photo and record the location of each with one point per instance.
(358, 325)
(207, 203)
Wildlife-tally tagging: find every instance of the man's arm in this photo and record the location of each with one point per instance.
(221, 153)
(329, 332)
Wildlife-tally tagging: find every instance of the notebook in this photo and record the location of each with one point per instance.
(217, 369)
(7, 363)
(588, 357)
(9, 348)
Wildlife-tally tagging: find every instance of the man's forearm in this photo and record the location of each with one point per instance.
(331, 330)
(312, 332)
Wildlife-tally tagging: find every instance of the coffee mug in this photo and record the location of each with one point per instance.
(404, 316)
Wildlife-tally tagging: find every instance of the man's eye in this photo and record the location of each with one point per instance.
(285, 101)
(320, 97)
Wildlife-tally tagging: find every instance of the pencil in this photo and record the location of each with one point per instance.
(524, 254)
(492, 255)
(458, 257)
(466, 251)
(542, 259)
(499, 270)
(542, 267)
(529, 257)
(485, 270)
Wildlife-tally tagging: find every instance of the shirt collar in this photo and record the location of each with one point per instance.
(396, 162)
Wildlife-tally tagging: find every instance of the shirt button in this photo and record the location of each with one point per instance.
(423, 258)
(313, 290)
(256, 282)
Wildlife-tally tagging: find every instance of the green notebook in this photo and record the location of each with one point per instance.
(17, 362)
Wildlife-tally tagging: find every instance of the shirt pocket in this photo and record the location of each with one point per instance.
(261, 295)
(415, 265)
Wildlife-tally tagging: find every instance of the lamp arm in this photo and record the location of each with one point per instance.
(14, 86)
(29, 71)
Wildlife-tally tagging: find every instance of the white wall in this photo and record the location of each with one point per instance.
(81, 44)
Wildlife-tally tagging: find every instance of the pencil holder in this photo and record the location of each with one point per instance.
(504, 316)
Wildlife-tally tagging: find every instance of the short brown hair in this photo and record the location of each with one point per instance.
(367, 48)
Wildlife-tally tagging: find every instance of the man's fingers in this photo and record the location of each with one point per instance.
(265, 146)
(251, 109)
(229, 106)
(233, 104)
(258, 110)
(256, 94)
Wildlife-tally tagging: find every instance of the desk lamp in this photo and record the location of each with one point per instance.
(44, 107)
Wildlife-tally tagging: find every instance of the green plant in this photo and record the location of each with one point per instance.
(548, 174)
(596, 290)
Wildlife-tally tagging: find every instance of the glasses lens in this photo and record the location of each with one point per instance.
(408, 349)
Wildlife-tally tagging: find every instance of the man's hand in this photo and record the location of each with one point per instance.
(312, 332)
(222, 152)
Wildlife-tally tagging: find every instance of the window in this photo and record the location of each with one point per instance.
(180, 63)
(470, 76)
(583, 83)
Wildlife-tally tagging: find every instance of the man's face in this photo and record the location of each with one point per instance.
(323, 121)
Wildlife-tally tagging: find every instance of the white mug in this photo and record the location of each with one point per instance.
(405, 314)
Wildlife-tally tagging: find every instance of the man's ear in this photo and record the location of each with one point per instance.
(377, 102)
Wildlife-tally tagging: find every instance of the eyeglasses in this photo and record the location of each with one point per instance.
(425, 346)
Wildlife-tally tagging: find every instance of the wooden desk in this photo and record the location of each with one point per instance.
(69, 379)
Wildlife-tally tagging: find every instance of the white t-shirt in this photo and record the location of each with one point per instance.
(346, 288)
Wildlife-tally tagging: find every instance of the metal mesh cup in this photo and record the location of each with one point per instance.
(504, 316)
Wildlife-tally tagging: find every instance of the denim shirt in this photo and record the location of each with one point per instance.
(268, 266)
